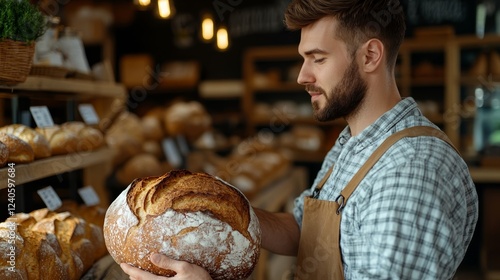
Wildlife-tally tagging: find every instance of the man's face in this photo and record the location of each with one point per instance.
(329, 73)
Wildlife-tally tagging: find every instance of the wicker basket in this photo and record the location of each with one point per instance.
(16, 59)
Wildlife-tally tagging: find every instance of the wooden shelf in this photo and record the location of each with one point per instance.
(474, 41)
(69, 86)
(38, 169)
(261, 120)
(284, 87)
(485, 174)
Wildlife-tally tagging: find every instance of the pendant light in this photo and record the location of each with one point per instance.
(222, 38)
(165, 9)
(207, 27)
(142, 4)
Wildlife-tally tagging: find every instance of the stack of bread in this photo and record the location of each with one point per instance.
(189, 119)
(49, 245)
(22, 144)
(303, 138)
(252, 165)
(37, 141)
(71, 137)
(137, 144)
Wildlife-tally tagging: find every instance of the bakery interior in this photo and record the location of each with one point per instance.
(123, 89)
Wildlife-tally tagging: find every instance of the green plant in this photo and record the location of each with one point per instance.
(20, 21)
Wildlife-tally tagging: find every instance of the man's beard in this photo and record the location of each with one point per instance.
(345, 99)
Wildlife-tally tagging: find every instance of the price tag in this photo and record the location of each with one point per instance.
(171, 152)
(88, 114)
(50, 198)
(42, 116)
(89, 196)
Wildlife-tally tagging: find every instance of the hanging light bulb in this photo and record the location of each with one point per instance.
(142, 4)
(207, 27)
(165, 8)
(222, 38)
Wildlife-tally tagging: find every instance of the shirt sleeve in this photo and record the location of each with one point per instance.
(412, 225)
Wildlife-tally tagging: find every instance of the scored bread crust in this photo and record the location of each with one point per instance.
(187, 216)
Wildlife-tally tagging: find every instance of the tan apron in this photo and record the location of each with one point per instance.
(319, 255)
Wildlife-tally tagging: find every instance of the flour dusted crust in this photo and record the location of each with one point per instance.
(187, 216)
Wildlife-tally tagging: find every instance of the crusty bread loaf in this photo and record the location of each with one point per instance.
(50, 245)
(19, 150)
(37, 141)
(89, 138)
(138, 166)
(39, 253)
(187, 118)
(187, 216)
(153, 128)
(61, 141)
(4, 154)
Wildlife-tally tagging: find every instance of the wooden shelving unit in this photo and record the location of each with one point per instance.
(67, 86)
(95, 165)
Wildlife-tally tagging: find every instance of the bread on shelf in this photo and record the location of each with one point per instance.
(4, 154)
(61, 141)
(50, 245)
(19, 150)
(36, 140)
(89, 138)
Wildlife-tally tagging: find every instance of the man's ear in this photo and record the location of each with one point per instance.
(372, 55)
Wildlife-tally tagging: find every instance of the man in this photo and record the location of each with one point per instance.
(400, 210)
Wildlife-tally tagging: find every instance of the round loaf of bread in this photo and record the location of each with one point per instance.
(4, 154)
(193, 217)
(19, 150)
(37, 141)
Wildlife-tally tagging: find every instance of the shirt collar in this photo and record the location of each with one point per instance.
(382, 125)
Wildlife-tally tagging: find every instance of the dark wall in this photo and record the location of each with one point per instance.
(252, 23)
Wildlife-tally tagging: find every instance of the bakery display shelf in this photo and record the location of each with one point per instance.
(276, 120)
(68, 86)
(435, 118)
(485, 174)
(427, 81)
(491, 80)
(475, 41)
(285, 87)
(42, 168)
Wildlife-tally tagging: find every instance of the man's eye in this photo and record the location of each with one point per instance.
(319, 60)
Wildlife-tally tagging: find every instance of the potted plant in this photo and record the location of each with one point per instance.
(21, 23)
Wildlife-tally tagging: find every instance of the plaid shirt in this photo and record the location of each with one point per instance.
(413, 215)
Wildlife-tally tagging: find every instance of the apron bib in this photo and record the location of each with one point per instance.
(319, 255)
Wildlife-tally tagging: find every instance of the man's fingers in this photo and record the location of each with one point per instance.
(136, 273)
(166, 262)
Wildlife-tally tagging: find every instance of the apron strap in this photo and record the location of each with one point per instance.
(377, 154)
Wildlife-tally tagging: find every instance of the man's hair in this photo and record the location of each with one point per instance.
(359, 21)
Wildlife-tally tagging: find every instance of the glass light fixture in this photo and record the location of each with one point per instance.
(142, 4)
(207, 27)
(165, 8)
(222, 38)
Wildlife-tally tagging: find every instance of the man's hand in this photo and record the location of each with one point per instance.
(183, 269)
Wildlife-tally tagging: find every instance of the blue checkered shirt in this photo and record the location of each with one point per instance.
(413, 215)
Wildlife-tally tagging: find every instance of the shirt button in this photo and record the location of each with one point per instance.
(342, 140)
